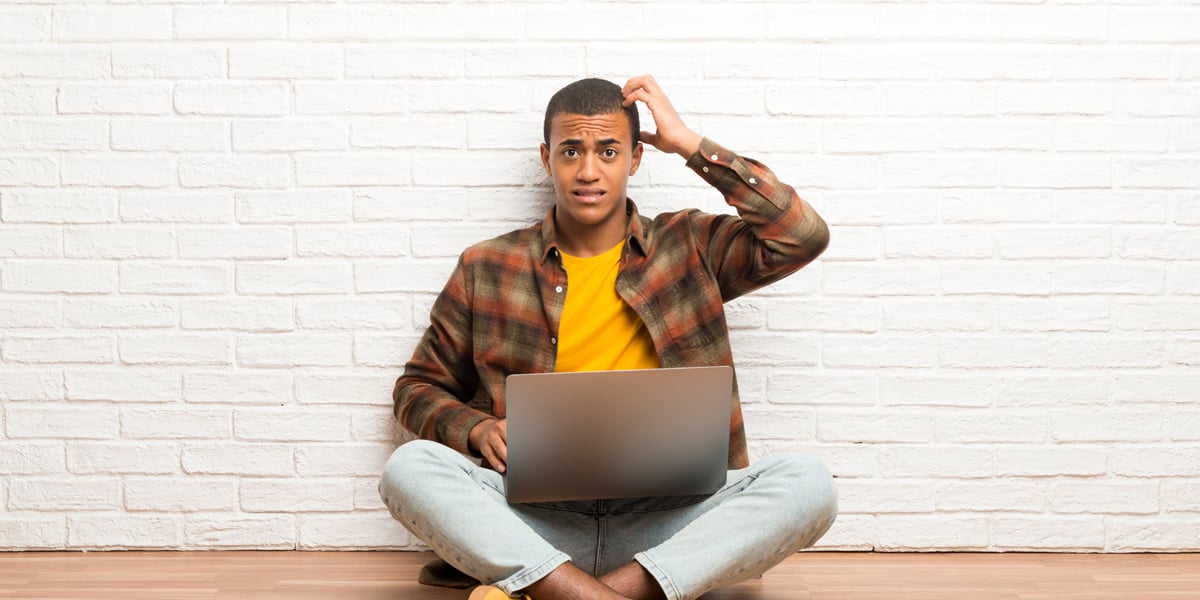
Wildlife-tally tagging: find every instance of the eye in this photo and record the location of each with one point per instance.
(610, 153)
(570, 153)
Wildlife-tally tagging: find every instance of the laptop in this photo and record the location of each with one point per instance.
(599, 435)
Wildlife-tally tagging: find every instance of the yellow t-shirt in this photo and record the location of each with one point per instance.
(599, 331)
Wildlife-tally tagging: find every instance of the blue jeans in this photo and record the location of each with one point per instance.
(689, 544)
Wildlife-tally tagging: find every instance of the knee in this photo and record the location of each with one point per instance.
(407, 468)
(810, 490)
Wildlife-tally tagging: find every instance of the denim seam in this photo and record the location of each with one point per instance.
(664, 581)
(526, 577)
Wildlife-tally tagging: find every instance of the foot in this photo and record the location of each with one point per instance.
(491, 592)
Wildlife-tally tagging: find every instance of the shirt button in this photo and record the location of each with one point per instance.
(558, 289)
(705, 169)
(714, 157)
(753, 181)
(553, 341)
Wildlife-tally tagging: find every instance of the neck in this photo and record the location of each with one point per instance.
(586, 242)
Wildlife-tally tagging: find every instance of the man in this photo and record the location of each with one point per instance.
(597, 286)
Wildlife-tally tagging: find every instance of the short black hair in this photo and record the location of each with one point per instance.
(591, 97)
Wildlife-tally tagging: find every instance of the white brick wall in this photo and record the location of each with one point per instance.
(222, 226)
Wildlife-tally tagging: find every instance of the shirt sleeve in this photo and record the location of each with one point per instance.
(431, 395)
(775, 233)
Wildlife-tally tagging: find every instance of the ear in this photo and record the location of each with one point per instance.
(637, 158)
(546, 158)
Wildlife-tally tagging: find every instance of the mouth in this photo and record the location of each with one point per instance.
(588, 195)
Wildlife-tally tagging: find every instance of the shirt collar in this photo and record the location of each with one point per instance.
(634, 232)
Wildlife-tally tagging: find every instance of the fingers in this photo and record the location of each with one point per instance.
(495, 445)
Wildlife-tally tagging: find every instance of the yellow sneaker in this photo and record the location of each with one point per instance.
(491, 592)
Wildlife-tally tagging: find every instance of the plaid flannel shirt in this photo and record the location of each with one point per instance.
(499, 312)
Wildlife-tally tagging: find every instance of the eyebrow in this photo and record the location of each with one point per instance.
(603, 142)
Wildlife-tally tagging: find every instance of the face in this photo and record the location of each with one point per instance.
(590, 159)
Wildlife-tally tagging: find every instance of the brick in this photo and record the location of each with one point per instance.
(1128, 277)
(352, 169)
(782, 134)
(176, 349)
(372, 425)
(942, 242)
(943, 532)
(58, 349)
(108, 458)
(1106, 351)
(290, 425)
(356, 530)
(1183, 278)
(1182, 425)
(402, 275)
(939, 171)
(1157, 243)
(389, 351)
(1154, 24)
(50, 62)
(746, 312)
(366, 495)
(525, 61)
(1186, 352)
(872, 425)
(20, 170)
(1109, 206)
(993, 352)
(784, 350)
(936, 390)
(255, 172)
(285, 61)
(1024, 279)
(855, 243)
(829, 315)
(241, 314)
(1094, 135)
(35, 458)
(123, 531)
(171, 61)
(173, 278)
(104, 313)
(148, 171)
(1186, 210)
(230, 22)
(1053, 98)
(180, 494)
(235, 242)
(112, 24)
(29, 384)
(1044, 172)
(357, 314)
(19, 98)
(169, 135)
(1107, 425)
(61, 277)
(1157, 101)
(851, 532)
(1042, 390)
(1181, 496)
(1048, 533)
(238, 387)
(832, 99)
(293, 277)
(991, 496)
(940, 99)
(1109, 63)
(895, 278)
(1156, 387)
(1156, 316)
(433, 131)
(340, 460)
(351, 97)
(900, 63)
(176, 206)
(1051, 461)
(170, 424)
(292, 350)
(25, 24)
(1157, 173)
(270, 532)
(878, 350)
(867, 496)
(874, 208)
(504, 168)
(475, 22)
(289, 135)
(985, 63)
(1000, 206)
(296, 495)
(115, 99)
(1143, 460)
(994, 426)
(294, 206)
(255, 458)
(1152, 533)
(353, 241)
(106, 241)
(1056, 242)
(873, 135)
(438, 240)
(16, 313)
(25, 533)
(232, 99)
(404, 60)
(1184, 137)
(1082, 314)
(123, 384)
(77, 493)
(937, 461)
(61, 134)
(780, 424)
(937, 315)
(1104, 496)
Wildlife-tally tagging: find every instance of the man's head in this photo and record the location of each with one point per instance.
(591, 149)
(590, 97)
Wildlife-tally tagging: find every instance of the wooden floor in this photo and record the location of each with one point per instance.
(391, 576)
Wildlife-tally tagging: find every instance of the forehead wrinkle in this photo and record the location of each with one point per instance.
(590, 127)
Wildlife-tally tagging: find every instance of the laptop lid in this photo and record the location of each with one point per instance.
(617, 434)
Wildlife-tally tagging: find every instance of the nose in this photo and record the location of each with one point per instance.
(588, 168)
